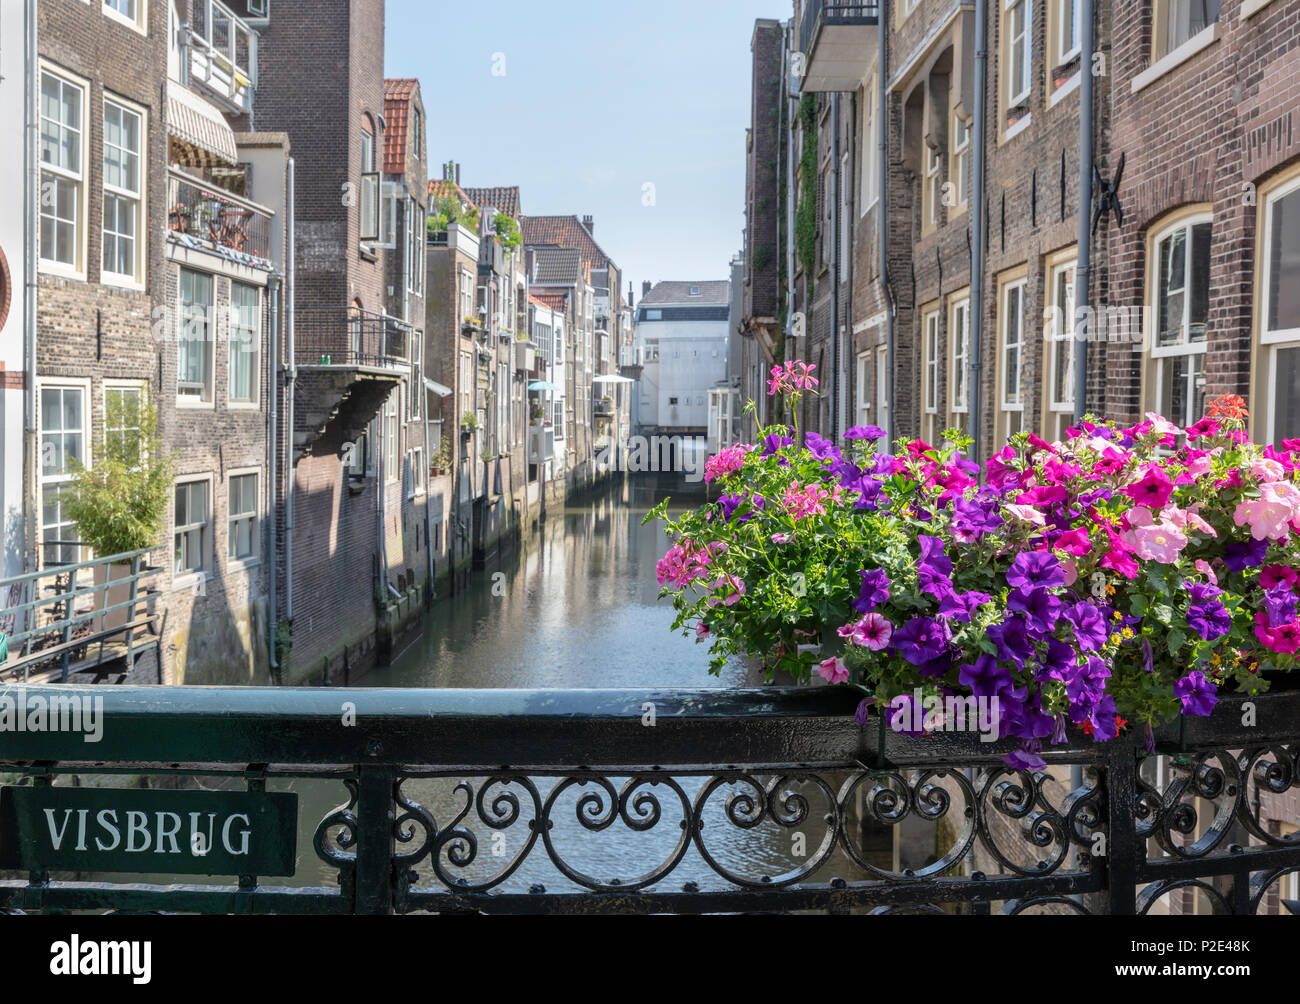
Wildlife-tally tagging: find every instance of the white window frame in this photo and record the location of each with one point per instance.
(864, 387)
(931, 347)
(883, 417)
(253, 401)
(139, 22)
(77, 178)
(869, 190)
(1159, 356)
(959, 355)
(60, 480)
(1026, 67)
(135, 279)
(415, 457)
(255, 514)
(1058, 329)
(1272, 340)
(189, 576)
(141, 389)
(1162, 18)
(961, 155)
(1067, 13)
(1011, 412)
(207, 398)
(392, 436)
(932, 190)
(417, 375)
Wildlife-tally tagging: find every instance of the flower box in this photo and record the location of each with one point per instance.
(1100, 585)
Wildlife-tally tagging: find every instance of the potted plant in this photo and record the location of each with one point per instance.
(468, 423)
(120, 505)
(1119, 578)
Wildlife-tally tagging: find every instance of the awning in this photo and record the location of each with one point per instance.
(611, 378)
(199, 127)
(542, 385)
(436, 388)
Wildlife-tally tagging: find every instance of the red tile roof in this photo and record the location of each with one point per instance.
(397, 115)
(565, 232)
(555, 301)
(504, 199)
(443, 188)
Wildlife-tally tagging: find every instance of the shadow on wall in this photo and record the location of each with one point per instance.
(224, 641)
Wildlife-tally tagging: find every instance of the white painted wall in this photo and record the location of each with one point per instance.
(692, 358)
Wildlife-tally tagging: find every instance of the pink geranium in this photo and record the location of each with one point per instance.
(727, 462)
(810, 500)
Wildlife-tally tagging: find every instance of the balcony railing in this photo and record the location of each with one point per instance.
(198, 211)
(350, 337)
(641, 801)
(819, 12)
(223, 55)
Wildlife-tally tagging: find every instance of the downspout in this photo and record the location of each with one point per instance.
(882, 210)
(272, 435)
(30, 253)
(851, 370)
(1083, 267)
(791, 108)
(837, 228)
(291, 363)
(976, 319)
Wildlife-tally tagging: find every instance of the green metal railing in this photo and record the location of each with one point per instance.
(75, 617)
(760, 800)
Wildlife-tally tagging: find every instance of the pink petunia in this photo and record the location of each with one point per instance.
(1272, 576)
(833, 670)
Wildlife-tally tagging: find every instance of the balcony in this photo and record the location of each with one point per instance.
(838, 41)
(207, 217)
(350, 360)
(714, 796)
(223, 56)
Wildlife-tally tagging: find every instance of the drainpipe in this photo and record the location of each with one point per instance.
(851, 370)
(882, 209)
(1083, 269)
(291, 362)
(837, 224)
(791, 110)
(976, 320)
(273, 447)
(30, 252)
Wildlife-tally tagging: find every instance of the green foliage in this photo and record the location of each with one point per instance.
(805, 218)
(448, 210)
(507, 232)
(120, 505)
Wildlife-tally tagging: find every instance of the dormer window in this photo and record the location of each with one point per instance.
(695, 291)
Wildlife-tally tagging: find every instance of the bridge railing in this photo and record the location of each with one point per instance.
(500, 801)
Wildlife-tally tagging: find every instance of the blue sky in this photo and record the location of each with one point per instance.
(597, 99)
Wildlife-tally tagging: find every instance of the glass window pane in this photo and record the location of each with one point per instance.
(1284, 263)
(1286, 393)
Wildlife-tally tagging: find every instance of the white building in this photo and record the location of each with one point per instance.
(547, 331)
(12, 299)
(682, 340)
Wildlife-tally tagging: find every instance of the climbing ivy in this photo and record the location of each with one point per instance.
(805, 219)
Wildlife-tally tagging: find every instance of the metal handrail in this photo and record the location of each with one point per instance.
(817, 12)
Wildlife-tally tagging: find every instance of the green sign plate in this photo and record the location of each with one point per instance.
(140, 830)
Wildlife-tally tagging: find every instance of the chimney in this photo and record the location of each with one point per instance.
(630, 302)
(645, 288)
(458, 174)
(590, 224)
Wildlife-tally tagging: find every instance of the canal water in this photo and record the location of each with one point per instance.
(574, 607)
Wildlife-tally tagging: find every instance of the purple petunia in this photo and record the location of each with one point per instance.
(1239, 556)
(960, 607)
(1197, 694)
(1039, 607)
(920, 640)
(985, 677)
(868, 432)
(934, 568)
(875, 590)
(1012, 640)
(1026, 757)
(1280, 604)
(1089, 625)
(1036, 568)
(1209, 619)
(775, 442)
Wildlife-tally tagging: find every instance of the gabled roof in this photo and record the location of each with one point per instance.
(397, 108)
(557, 266)
(565, 232)
(502, 199)
(711, 293)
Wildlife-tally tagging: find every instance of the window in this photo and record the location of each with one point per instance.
(503, 407)
(466, 385)
(959, 343)
(466, 295)
(960, 159)
(417, 373)
(194, 341)
(61, 173)
(244, 342)
(123, 408)
(870, 149)
(1280, 310)
(414, 246)
(864, 388)
(930, 421)
(392, 448)
(123, 254)
(63, 446)
(1065, 39)
(1011, 403)
(882, 392)
(417, 133)
(1177, 21)
(242, 511)
(130, 11)
(1019, 50)
(1059, 331)
(930, 195)
(1180, 265)
(191, 533)
(370, 189)
(416, 459)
